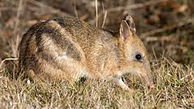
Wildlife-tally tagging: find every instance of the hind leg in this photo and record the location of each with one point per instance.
(61, 68)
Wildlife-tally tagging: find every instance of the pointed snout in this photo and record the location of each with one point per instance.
(143, 70)
(147, 79)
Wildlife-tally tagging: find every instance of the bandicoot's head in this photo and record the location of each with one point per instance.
(134, 52)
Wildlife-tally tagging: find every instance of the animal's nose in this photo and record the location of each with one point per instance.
(151, 86)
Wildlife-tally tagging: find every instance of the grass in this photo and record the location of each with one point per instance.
(174, 89)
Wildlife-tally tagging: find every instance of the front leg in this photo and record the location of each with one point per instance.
(120, 83)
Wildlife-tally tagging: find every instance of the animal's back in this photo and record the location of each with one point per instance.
(61, 48)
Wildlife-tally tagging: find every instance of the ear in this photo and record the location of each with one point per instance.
(127, 27)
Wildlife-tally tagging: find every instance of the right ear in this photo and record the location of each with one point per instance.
(127, 27)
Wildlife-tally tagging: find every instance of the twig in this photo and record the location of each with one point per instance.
(7, 59)
(75, 8)
(104, 19)
(96, 3)
(133, 6)
(169, 38)
(180, 24)
(15, 42)
(4, 8)
(49, 8)
(18, 15)
(136, 6)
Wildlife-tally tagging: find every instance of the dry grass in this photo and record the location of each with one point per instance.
(174, 89)
(174, 81)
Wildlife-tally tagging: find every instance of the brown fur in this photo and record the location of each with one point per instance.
(68, 48)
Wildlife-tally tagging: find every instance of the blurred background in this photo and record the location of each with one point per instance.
(165, 26)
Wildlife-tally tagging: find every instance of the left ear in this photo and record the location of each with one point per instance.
(130, 22)
(127, 27)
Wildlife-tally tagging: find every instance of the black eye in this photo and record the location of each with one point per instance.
(138, 57)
